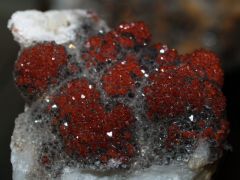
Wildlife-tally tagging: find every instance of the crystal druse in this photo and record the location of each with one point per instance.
(109, 104)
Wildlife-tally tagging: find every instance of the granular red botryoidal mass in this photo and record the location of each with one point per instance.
(125, 94)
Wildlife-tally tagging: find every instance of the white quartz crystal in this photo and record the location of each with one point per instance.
(33, 26)
(22, 156)
(200, 157)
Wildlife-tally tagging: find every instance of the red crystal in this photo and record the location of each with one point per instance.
(118, 80)
(164, 54)
(137, 30)
(214, 98)
(103, 48)
(206, 65)
(38, 66)
(172, 90)
(87, 128)
(100, 50)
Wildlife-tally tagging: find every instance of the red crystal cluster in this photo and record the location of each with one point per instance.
(37, 67)
(87, 129)
(190, 80)
(105, 48)
(170, 85)
(118, 80)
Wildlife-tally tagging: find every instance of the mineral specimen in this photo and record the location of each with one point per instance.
(109, 105)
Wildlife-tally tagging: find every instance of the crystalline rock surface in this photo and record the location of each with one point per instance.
(108, 104)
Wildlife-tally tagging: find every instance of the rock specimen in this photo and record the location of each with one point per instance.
(106, 104)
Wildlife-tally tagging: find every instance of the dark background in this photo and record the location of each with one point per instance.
(185, 25)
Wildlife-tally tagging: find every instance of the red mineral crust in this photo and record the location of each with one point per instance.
(37, 67)
(178, 97)
(172, 89)
(118, 80)
(106, 47)
(88, 129)
(186, 82)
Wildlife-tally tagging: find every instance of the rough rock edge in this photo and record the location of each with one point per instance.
(23, 162)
